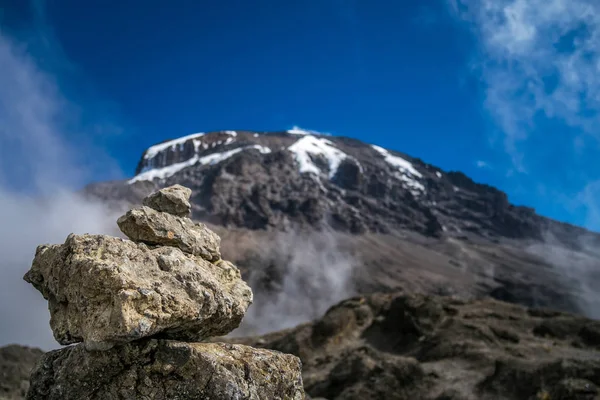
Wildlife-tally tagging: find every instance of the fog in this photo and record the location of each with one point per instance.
(39, 172)
(296, 279)
(579, 270)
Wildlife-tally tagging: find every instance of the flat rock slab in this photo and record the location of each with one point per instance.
(159, 228)
(103, 291)
(174, 200)
(162, 369)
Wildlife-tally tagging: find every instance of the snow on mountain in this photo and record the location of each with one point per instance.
(154, 150)
(296, 130)
(373, 189)
(398, 162)
(210, 159)
(408, 174)
(309, 146)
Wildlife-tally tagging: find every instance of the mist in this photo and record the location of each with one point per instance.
(579, 270)
(298, 276)
(41, 166)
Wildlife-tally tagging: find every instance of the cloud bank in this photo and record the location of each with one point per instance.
(295, 279)
(538, 56)
(41, 163)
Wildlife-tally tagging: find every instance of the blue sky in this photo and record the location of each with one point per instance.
(507, 91)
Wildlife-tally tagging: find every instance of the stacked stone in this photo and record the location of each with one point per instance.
(140, 308)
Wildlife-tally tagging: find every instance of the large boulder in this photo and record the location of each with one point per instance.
(161, 369)
(174, 200)
(159, 228)
(103, 290)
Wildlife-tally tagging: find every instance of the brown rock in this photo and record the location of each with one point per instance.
(162, 369)
(158, 228)
(173, 200)
(104, 290)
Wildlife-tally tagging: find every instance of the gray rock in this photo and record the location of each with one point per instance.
(162, 369)
(16, 363)
(158, 228)
(174, 200)
(104, 290)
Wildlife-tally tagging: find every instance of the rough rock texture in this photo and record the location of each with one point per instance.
(161, 370)
(174, 200)
(104, 290)
(16, 363)
(159, 228)
(400, 346)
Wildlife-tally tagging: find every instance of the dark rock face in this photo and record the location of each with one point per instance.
(260, 181)
(16, 363)
(400, 346)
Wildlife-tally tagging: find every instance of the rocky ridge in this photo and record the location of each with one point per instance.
(401, 346)
(274, 180)
(139, 310)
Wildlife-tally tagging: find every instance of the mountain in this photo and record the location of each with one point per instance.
(297, 203)
(265, 180)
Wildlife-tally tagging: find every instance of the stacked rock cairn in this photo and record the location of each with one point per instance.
(139, 309)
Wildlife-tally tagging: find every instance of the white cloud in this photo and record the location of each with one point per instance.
(538, 57)
(539, 64)
(482, 164)
(40, 164)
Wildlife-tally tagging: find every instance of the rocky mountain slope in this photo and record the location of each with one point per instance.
(401, 346)
(265, 180)
(399, 222)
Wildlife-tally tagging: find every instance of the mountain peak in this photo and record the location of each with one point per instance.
(269, 180)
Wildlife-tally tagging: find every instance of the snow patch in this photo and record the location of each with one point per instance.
(412, 184)
(232, 133)
(211, 159)
(296, 130)
(310, 145)
(154, 150)
(406, 171)
(438, 174)
(397, 162)
(197, 144)
(255, 135)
